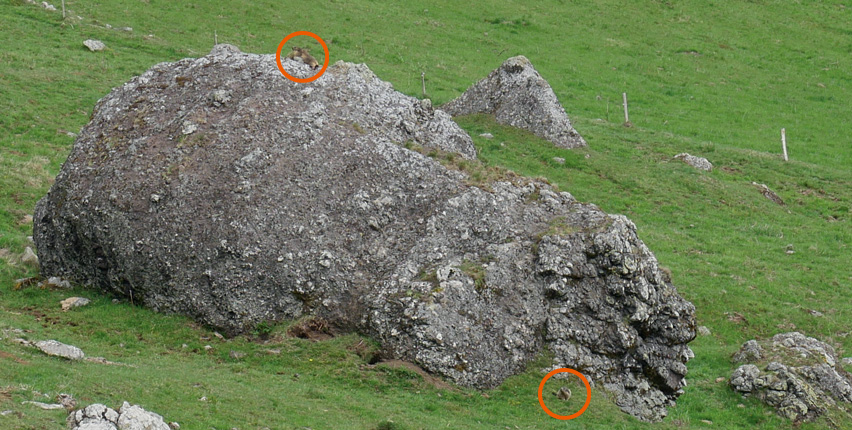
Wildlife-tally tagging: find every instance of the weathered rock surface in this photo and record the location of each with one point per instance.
(801, 377)
(129, 417)
(59, 349)
(699, 163)
(517, 95)
(216, 188)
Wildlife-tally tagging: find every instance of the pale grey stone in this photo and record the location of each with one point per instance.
(133, 417)
(29, 258)
(704, 331)
(59, 349)
(699, 163)
(94, 45)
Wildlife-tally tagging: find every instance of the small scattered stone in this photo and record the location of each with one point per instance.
(56, 282)
(94, 45)
(236, 355)
(720, 379)
(273, 351)
(174, 426)
(45, 406)
(708, 422)
(704, 331)
(59, 349)
(207, 347)
(74, 302)
(48, 6)
(846, 361)
(218, 335)
(699, 163)
(5, 413)
(26, 220)
(127, 29)
(487, 135)
(29, 258)
(559, 160)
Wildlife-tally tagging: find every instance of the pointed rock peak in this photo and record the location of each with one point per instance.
(517, 95)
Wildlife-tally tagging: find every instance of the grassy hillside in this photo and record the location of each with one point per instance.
(717, 80)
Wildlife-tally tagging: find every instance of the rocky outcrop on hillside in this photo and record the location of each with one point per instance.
(799, 376)
(218, 189)
(517, 95)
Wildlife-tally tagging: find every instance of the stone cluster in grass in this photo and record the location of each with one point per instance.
(128, 417)
(216, 188)
(799, 376)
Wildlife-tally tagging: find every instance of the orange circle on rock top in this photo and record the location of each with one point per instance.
(588, 394)
(293, 78)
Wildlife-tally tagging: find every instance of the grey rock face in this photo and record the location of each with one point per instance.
(802, 378)
(59, 349)
(275, 205)
(517, 95)
(699, 163)
(129, 417)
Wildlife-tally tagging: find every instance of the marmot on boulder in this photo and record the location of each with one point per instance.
(305, 55)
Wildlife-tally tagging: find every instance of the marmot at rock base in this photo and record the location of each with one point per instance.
(305, 55)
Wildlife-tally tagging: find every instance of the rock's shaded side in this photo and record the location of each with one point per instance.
(218, 189)
(801, 377)
(517, 95)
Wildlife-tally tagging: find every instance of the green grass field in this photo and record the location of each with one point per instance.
(715, 79)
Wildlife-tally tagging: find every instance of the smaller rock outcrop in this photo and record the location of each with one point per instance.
(517, 95)
(699, 163)
(74, 302)
(129, 417)
(801, 377)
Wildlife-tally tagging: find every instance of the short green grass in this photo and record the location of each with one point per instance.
(715, 79)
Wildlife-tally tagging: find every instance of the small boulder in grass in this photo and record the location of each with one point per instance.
(94, 45)
(59, 349)
(699, 163)
(74, 302)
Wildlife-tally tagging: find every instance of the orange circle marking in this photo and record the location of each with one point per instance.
(293, 78)
(588, 394)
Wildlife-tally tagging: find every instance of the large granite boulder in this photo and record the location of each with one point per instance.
(218, 189)
(517, 95)
(801, 377)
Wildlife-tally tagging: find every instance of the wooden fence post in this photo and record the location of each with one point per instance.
(784, 143)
